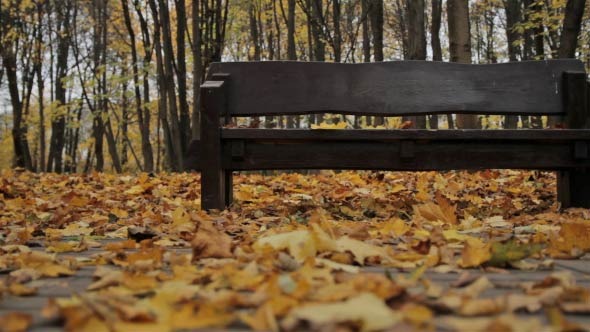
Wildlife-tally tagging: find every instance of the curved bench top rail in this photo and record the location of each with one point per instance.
(395, 88)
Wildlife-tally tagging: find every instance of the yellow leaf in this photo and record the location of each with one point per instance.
(15, 322)
(21, 290)
(262, 320)
(418, 315)
(395, 227)
(324, 125)
(360, 250)
(452, 235)
(573, 235)
(475, 253)
(366, 309)
(194, 317)
(300, 244)
(135, 190)
(443, 211)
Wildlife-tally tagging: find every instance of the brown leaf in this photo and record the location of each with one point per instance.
(209, 242)
(15, 322)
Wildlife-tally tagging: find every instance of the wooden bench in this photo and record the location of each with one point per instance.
(555, 87)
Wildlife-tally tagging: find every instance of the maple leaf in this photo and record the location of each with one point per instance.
(442, 211)
(474, 253)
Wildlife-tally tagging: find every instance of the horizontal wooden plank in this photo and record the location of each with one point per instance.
(404, 134)
(395, 88)
(419, 156)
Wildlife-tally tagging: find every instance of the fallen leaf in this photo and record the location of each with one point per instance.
(474, 253)
(366, 310)
(15, 322)
(209, 242)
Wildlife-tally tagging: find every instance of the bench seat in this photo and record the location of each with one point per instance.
(406, 134)
(402, 150)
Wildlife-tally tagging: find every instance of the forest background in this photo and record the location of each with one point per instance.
(113, 85)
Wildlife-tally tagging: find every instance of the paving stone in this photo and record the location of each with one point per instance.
(582, 266)
(62, 287)
(18, 303)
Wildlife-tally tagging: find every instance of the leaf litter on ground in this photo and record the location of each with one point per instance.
(322, 251)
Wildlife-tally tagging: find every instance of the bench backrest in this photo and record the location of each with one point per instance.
(395, 88)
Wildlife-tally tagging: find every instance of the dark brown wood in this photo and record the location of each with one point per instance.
(395, 88)
(573, 185)
(406, 134)
(555, 87)
(228, 182)
(213, 176)
(406, 155)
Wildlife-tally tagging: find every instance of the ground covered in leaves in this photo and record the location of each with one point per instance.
(323, 251)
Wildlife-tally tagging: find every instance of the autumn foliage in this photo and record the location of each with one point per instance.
(350, 250)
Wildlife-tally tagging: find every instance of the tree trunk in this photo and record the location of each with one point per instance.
(376, 19)
(572, 23)
(435, 30)
(169, 85)
(185, 119)
(337, 33)
(416, 30)
(254, 33)
(291, 52)
(366, 32)
(19, 133)
(376, 14)
(513, 15)
(40, 89)
(436, 45)
(197, 70)
(58, 123)
(460, 47)
(319, 49)
(163, 92)
(143, 123)
(277, 26)
(416, 43)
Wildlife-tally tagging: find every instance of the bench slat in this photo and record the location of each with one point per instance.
(404, 134)
(395, 88)
(424, 155)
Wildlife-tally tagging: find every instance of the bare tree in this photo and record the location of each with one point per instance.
(416, 42)
(143, 114)
(460, 46)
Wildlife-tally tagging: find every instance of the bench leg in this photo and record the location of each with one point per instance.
(573, 188)
(228, 187)
(213, 188)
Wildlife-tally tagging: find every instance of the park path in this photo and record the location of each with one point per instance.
(504, 281)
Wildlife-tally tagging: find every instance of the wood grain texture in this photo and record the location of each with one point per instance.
(214, 186)
(395, 88)
(424, 155)
(405, 134)
(573, 185)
